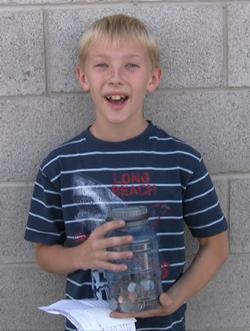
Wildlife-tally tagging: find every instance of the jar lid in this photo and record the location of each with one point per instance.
(133, 216)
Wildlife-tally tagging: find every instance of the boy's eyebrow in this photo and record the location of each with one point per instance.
(133, 55)
(125, 56)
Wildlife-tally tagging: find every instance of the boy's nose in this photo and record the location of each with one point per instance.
(115, 76)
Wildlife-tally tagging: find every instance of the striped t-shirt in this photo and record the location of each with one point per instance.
(80, 181)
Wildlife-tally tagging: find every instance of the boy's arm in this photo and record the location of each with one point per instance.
(213, 252)
(93, 253)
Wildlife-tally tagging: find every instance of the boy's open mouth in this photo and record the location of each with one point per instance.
(116, 99)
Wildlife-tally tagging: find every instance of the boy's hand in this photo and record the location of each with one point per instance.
(167, 307)
(211, 255)
(94, 253)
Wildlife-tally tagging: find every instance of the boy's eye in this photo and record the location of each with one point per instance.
(101, 65)
(132, 65)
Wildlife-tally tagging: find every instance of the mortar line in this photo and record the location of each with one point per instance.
(55, 5)
(45, 51)
(16, 184)
(166, 90)
(225, 45)
(229, 212)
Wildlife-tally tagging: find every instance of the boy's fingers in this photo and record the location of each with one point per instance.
(115, 241)
(144, 314)
(112, 267)
(104, 229)
(112, 256)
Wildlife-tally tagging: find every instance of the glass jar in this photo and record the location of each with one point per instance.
(138, 288)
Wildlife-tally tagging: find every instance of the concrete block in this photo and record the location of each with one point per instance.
(56, 2)
(65, 28)
(220, 329)
(221, 188)
(224, 303)
(32, 127)
(191, 40)
(238, 44)
(215, 122)
(22, 290)
(22, 54)
(14, 207)
(239, 215)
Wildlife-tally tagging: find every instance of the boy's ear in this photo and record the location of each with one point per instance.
(82, 78)
(155, 80)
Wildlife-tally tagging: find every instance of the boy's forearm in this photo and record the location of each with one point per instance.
(93, 253)
(56, 258)
(212, 253)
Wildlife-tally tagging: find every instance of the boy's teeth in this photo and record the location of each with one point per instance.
(116, 97)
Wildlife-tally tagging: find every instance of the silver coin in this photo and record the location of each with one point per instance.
(113, 304)
(127, 307)
(132, 287)
(147, 284)
(120, 299)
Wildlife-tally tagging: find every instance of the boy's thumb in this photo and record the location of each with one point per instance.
(165, 300)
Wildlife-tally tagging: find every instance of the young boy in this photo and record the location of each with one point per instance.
(123, 159)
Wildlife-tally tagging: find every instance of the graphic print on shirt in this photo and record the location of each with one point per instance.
(94, 201)
(129, 184)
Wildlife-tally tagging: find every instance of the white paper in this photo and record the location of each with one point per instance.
(90, 315)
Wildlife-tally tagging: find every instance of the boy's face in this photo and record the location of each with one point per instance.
(118, 78)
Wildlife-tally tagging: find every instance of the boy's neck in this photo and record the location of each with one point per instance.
(118, 132)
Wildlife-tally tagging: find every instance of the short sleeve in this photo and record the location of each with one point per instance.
(201, 208)
(45, 221)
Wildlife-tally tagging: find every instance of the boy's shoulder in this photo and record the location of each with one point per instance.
(71, 146)
(173, 144)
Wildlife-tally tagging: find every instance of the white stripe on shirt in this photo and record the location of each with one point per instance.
(202, 210)
(199, 196)
(119, 153)
(207, 225)
(162, 328)
(45, 232)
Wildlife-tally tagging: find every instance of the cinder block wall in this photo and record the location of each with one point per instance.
(204, 98)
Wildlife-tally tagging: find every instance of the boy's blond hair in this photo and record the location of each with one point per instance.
(117, 28)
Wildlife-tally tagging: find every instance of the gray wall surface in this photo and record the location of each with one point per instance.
(204, 99)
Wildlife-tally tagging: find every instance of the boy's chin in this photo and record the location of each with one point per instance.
(117, 106)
